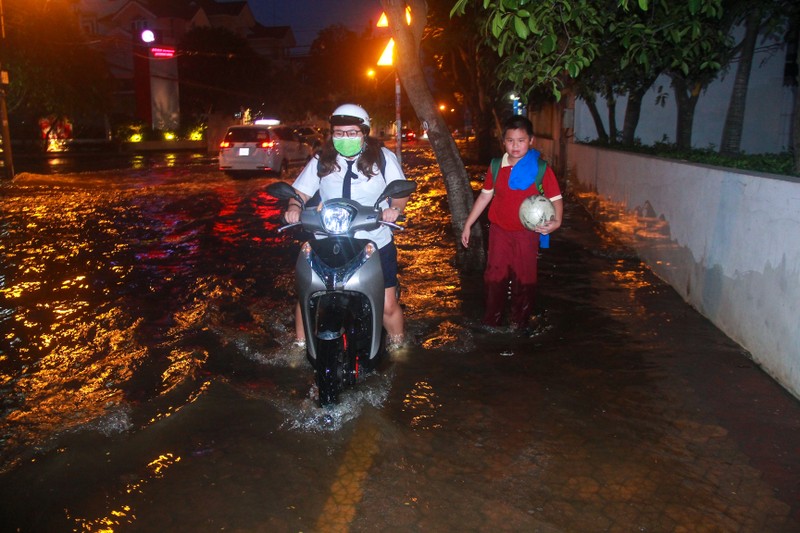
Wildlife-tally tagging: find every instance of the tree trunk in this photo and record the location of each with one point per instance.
(613, 133)
(591, 103)
(734, 120)
(686, 101)
(633, 110)
(460, 196)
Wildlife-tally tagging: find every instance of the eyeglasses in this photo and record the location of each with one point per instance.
(352, 134)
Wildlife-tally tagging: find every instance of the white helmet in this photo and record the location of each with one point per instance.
(350, 114)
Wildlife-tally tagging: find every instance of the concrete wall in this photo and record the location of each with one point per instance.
(727, 241)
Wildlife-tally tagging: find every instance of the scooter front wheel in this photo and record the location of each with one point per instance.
(329, 370)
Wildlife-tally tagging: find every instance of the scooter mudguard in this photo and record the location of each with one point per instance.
(338, 281)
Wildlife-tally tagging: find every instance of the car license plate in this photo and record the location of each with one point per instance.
(244, 151)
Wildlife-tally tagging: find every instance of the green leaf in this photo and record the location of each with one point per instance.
(458, 8)
(548, 44)
(573, 69)
(499, 24)
(521, 28)
(643, 5)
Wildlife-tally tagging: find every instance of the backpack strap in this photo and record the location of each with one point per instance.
(540, 176)
(495, 166)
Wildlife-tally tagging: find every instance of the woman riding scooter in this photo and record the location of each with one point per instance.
(351, 164)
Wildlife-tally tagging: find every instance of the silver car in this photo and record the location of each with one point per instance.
(260, 148)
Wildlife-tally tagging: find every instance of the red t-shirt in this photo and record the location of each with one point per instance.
(504, 210)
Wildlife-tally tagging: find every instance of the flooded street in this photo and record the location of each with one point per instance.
(148, 381)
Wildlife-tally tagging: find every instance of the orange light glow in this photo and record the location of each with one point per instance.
(387, 55)
(383, 21)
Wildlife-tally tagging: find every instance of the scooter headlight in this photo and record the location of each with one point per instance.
(337, 218)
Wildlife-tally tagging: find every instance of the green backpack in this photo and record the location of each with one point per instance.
(497, 161)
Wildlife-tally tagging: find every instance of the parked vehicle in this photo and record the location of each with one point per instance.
(310, 135)
(255, 147)
(407, 134)
(339, 282)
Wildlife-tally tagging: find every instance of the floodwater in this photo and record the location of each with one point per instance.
(148, 382)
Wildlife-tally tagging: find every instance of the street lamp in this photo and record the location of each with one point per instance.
(387, 60)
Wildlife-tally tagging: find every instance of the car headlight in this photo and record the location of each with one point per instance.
(337, 218)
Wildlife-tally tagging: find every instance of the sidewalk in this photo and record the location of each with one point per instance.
(626, 411)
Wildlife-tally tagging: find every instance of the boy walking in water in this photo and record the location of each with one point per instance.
(513, 249)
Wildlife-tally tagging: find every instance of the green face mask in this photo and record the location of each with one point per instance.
(347, 147)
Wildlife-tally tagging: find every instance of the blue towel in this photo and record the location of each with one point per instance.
(523, 174)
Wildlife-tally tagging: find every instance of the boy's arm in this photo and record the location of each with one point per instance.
(480, 204)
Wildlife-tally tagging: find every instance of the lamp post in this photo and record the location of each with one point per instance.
(387, 59)
(8, 160)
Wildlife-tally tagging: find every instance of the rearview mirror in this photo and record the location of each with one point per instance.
(397, 189)
(282, 191)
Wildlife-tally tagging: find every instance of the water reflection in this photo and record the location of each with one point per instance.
(422, 405)
(106, 290)
(125, 288)
(124, 514)
(148, 380)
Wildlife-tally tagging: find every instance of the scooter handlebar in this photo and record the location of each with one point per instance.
(287, 226)
(393, 225)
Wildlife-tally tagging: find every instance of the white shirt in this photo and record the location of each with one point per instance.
(362, 189)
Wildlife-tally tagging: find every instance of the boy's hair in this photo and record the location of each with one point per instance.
(518, 122)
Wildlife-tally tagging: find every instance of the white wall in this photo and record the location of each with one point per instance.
(768, 112)
(727, 241)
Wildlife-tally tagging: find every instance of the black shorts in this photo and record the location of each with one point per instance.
(389, 265)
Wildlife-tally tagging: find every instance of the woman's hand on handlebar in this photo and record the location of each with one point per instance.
(292, 214)
(391, 214)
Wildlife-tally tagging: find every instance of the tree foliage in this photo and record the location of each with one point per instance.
(219, 72)
(539, 42)
(337, 67)
(52, 68)
(465, 71)
(550, 43)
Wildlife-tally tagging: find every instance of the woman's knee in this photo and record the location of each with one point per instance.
(390, 303)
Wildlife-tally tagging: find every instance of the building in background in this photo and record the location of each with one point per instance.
(146, 70)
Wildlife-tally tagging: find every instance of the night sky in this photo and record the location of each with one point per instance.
(308, 17)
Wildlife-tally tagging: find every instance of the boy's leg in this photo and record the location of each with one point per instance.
(523, 280)
(495, 278)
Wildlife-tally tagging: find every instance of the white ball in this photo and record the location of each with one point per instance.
(535, 211)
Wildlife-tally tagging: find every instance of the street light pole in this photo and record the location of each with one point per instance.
(8, 160)
(387, 59)
(398, 144)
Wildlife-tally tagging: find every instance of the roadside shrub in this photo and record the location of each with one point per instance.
(782, 163)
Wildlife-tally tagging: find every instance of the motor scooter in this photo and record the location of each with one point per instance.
(339, 282)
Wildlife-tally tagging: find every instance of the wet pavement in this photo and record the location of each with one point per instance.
(148, 381)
